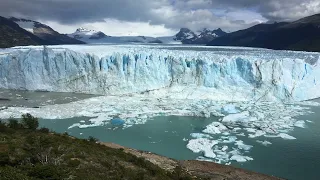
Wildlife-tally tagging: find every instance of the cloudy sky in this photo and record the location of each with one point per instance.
(156, 17)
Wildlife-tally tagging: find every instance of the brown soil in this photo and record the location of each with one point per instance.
(210, 170)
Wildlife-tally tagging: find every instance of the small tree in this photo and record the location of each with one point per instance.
(13, 123)
(92, 139)
(29, 122)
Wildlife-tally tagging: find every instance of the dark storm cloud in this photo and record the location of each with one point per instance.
(74, 11)
(172, 13)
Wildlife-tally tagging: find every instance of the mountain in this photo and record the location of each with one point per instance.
(11, 34)
(92, 36)
(186, 36)
(45, 32)
(303, 35)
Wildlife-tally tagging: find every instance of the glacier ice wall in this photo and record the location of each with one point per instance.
(225, 76)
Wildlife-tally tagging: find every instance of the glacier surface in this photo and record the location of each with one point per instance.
(207, 73)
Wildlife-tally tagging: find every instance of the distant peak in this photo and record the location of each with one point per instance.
(82, 29)
(185, 30)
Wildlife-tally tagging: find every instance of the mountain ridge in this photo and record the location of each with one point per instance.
(45, 32)
(11, 34)
(300, 35)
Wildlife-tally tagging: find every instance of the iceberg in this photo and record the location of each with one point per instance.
(233, 74)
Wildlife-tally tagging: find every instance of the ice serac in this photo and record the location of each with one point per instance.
(216, 74)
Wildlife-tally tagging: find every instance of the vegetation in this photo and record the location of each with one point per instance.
(28, 153)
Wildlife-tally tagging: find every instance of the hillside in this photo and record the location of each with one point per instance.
(45, 32)
(26, 153)
(303, 34)
(13, 35)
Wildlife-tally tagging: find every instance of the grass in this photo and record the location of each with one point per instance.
(27, 152)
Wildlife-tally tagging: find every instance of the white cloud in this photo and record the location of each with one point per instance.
(115, 27)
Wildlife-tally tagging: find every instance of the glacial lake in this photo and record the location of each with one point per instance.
(290, 159)
(168, 136)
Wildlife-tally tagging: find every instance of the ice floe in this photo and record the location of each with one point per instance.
(265, 143)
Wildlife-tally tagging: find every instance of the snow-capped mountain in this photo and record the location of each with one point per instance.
(93, 36)
(45, 32)
(84, 34)
(186, 36)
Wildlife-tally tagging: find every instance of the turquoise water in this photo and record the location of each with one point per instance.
(168, 136)
(291, 159)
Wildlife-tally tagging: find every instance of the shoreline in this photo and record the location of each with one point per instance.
(210, 170)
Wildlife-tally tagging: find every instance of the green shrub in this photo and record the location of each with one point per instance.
(14, 124)
(47, 172)
(74, 163)
(92, 139)
(3, 126)
(44, 130)
(11, 173)
(29, 122)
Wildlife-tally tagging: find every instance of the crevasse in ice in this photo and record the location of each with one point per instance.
(229, 75)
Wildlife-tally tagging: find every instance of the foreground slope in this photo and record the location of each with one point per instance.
(303, 34)
(38, 154)
(13, 35)
(222, 74)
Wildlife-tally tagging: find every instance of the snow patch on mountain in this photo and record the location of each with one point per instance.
(96, 37)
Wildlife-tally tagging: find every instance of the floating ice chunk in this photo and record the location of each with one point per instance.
(300, 124)
(265, 143)
(215, 128)
(224, 148)
(240, 117)
(240, 158)
(286, 136)
(258, 133)
(230, 139)
(243, 146)
(185, 139)
(202, 145)
(251, 130)
(229, 109)
(201, 158)
(82, 121)
(200, 135)
(309, 121)
(74, 125)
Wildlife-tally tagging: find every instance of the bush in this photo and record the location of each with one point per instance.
(92, 139)
(13, 124)
(3, 126)
(74, 162)
(11, 173)
(29, 122)
(44, 130)
(47, 172)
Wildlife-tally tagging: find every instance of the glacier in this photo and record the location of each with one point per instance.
(234, 75)
(256, 93)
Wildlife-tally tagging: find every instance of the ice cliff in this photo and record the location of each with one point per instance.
(229, 74)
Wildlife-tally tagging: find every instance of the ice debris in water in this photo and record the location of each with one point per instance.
(230, 109)
(265, 143)
(202, 145)
(286, 136)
